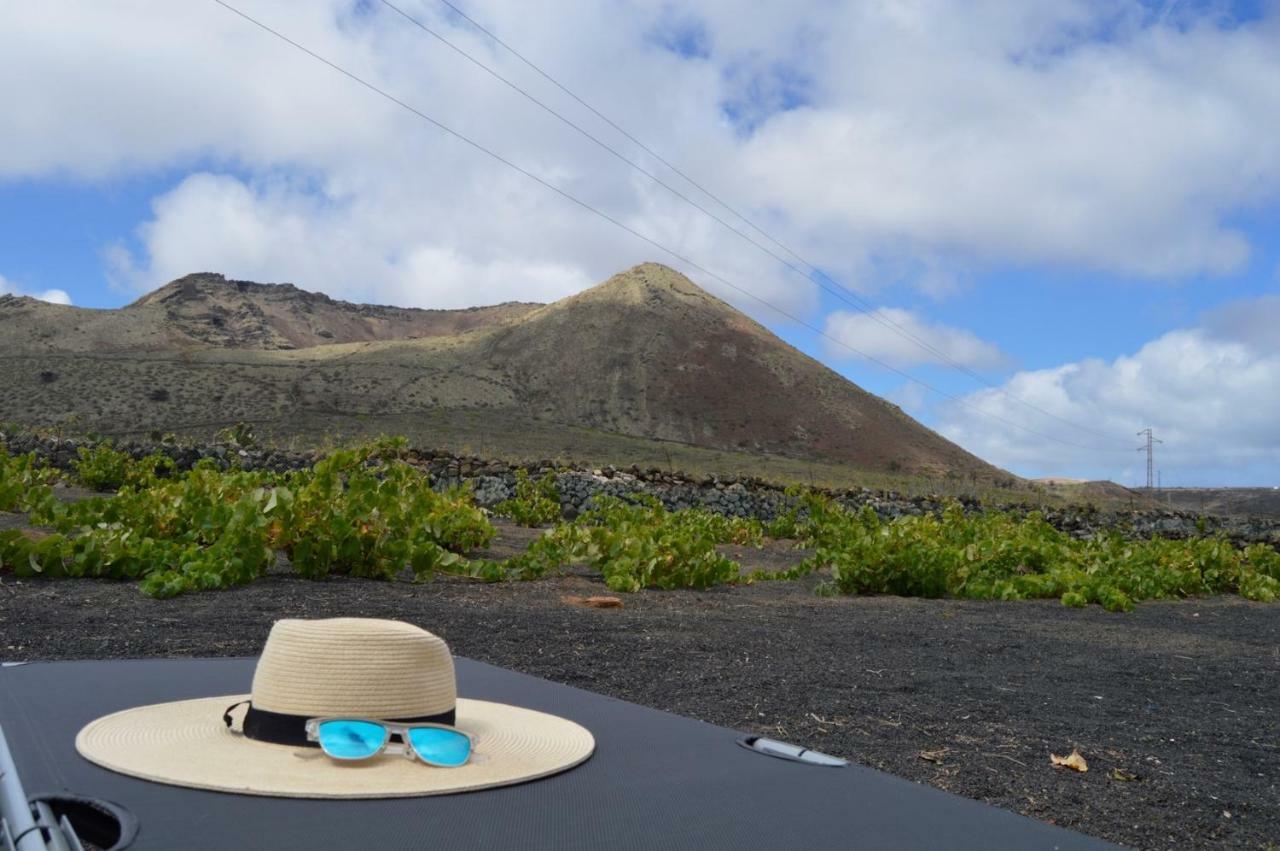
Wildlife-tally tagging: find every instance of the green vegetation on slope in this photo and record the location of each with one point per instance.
(370, 514)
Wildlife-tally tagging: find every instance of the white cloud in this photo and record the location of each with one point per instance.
(1011, 139)
(53, 296)
(376, 248)
(892, 338)
(1209, 392)
(924, 136)
(306, 176)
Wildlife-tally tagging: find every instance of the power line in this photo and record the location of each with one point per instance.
(653, 177)
(623, 226)
(845, 294)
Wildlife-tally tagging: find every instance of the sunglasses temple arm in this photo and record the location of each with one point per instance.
(226, 716)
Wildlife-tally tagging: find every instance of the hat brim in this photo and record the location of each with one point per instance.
(186, 743)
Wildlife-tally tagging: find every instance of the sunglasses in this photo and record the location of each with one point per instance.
(361, 738)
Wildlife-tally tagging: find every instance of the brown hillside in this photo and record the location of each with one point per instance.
(647, 355)
(1237, 502)
(650, 353)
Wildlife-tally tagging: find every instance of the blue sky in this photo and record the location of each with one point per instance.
(1080, 201)
(57, 231)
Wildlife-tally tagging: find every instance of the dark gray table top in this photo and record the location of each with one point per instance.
(656, 780)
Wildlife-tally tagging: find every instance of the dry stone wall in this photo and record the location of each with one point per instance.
(493, 481)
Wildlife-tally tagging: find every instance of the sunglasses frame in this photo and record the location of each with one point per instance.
(403, 747)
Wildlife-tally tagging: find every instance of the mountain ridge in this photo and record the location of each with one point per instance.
(646, 354)
(209, 309)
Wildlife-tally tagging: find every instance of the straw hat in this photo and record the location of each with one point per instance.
(353, 667)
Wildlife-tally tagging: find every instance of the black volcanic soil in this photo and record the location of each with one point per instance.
(971, 697)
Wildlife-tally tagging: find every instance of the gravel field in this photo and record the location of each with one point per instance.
(972, 697)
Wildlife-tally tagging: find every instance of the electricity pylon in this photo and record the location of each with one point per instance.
(1150, 450)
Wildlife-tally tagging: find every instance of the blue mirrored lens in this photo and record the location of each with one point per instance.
(448, 748)
(351, 739)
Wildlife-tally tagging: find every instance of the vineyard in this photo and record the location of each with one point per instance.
(369, 513)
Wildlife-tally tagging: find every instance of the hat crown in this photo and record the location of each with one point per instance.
(354, 666)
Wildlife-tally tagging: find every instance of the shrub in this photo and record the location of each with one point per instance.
(24, 481)
(386, 448)
(634, 543)
(148, 470)
(350, 515)
(206, 530)
(534, 504)
(241, 435)
(209, 529)
(101, 468)
(994, 555)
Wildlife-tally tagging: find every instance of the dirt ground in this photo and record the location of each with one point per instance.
(971, 697)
